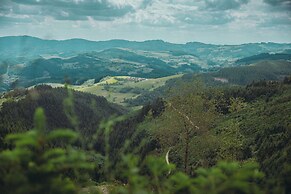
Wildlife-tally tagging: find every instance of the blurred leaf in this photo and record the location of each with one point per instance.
(39, 119)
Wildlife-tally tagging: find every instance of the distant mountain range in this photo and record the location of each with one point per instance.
(264, 56)
(31, 47)
(25, 60)
(267, 70)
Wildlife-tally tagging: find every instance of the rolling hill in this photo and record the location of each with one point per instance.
(231, 76)
(64, 109)
(26, 46)
(26, 61)
(263, 57)
(96, 65)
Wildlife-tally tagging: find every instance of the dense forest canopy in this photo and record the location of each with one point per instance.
(248, 127)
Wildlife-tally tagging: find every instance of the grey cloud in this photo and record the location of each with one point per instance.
(214, 18)
(225, 4)
(276, 21)
(88, 4)
(182, 13)
(67, 9)
(278, 2)
(8, 20)
(145, 4)
(82, 14)
(5, 6)
(279, 5)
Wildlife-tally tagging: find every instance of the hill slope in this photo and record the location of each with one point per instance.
(263, 57)
(241, 75)
(26, 46)
(26, 61)
(81, 111)
(234, 123)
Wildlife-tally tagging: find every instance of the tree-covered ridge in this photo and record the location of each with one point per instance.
(34, 165)
(197, 129)
(42, 161)
(64, 109)
(264, 56)
(233, 124)
(231, 76)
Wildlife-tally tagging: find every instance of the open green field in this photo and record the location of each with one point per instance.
(119, 88)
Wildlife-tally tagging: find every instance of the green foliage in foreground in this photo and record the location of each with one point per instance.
(47, 162)
(224, 178)
(240, 125)
(35, 166)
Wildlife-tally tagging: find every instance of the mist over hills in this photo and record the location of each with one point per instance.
(26, 46)
(26, 61)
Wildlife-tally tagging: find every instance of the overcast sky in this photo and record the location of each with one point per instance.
(178, 21)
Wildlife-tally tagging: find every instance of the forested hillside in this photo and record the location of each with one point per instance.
(232, 76)
(246, 126)
(63, 107)
(264, 56)
(251, 123)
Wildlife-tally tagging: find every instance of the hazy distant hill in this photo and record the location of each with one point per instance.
(240, 75)
(96, 65)
(243, 75)
(26, 46)
(264, 56)
(26, 61)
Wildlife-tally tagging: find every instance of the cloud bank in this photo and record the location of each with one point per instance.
(215, 21)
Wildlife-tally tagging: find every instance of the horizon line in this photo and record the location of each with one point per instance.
(141, 41)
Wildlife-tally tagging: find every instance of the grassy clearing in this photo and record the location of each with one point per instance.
(110, 87)
(109, 80)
